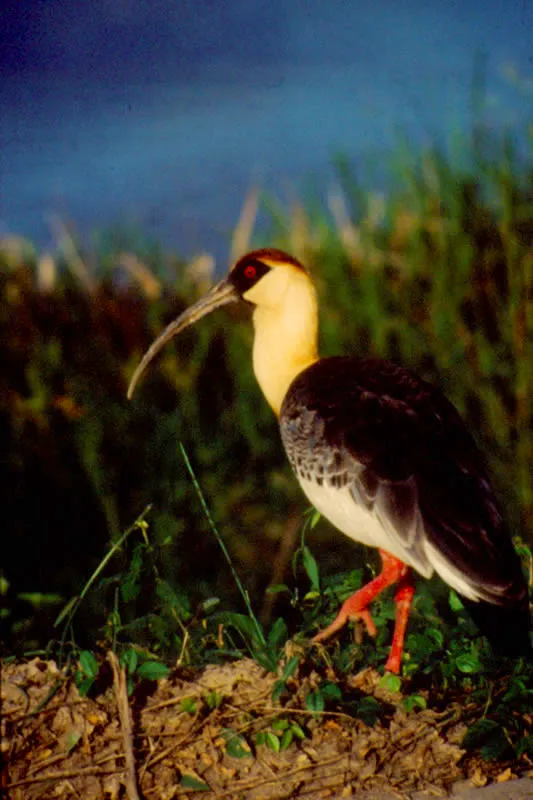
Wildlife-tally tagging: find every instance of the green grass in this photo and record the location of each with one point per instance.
(437, 274)
(445, 662)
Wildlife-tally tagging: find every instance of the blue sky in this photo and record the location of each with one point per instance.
(163, 114)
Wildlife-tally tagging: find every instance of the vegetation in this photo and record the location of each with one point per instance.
(438, 275)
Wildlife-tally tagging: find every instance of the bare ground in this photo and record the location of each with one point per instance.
(153, 745)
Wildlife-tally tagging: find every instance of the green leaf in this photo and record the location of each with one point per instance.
(479, 732)
(278, 635)
(84, 686)
(89, 664)
(190, 782)
(278, 588)
(247, 628)
(266, 659)
(189, 705)
(455, 601)
(297, 730)
(525, 746)
(236, 745)
(72, 740)
(315, 702)
(390, 682)
(413, 701)
(279, 688)
(330, 691)
(311, 567)
(468, 663)
(153, 671)
(286, 739)
(280, 725)
(272, 741)
(213, 699)
(129, 660)
(517, 688)
(315, 519)
(419, 645)
(496, 746)
(290, 667)
(130, 584)
(368, 710)
(435, 635)
(170, 599)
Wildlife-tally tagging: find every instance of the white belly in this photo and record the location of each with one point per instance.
(339, 507)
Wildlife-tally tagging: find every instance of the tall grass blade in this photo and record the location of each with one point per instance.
(213, 527)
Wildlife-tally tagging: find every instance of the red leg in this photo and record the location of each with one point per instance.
(402, 599)
(356, 606)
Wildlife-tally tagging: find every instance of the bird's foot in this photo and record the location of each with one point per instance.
(394, 662)
(351, 611)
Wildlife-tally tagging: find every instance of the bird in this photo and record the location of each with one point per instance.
(380, 453)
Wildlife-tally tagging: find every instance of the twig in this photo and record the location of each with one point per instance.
(60, 776)
(67, 754)
(152, 759)
(124, 712)
(254, 784)
(40, 710)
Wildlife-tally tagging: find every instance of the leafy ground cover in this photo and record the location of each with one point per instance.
(289, 720)
(218, 733)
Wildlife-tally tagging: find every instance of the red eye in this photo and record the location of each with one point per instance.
(250, 271)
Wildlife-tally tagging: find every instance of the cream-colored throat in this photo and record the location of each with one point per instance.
(285, 340)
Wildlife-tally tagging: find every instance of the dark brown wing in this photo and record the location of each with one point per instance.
(402, 434)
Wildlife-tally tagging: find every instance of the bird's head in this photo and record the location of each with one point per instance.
(275, 283)
(264, 277)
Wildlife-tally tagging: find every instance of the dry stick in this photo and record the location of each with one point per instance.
(239, 787)
(54, 760)
(124, 712)
(152, 760)
(64, 775)
(47, 762)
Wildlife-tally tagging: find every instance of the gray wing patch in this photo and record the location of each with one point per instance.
(395, 504)
(303, 439)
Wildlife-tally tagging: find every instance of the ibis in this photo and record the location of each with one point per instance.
(381, 453)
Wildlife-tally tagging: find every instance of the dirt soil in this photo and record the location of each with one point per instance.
(194, 735)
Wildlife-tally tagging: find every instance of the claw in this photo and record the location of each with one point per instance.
(347, 613)
(356, 607)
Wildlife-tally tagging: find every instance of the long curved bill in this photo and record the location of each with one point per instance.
(221, 294)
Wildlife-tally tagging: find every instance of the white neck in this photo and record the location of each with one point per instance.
(285, 341)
